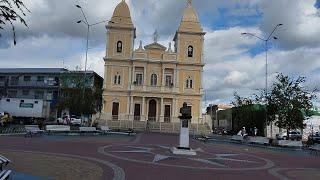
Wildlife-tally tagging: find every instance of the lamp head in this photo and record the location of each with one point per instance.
(79, 22)
(78, 6)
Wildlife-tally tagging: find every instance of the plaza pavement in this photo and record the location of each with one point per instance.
(147, 156)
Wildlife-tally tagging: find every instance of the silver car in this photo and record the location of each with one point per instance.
(293, 135)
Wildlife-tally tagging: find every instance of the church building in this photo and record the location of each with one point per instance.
(151, 82)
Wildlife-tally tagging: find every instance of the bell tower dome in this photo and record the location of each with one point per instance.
(121, 33)
(189, 37)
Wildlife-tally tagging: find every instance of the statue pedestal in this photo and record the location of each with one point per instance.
(183, 148)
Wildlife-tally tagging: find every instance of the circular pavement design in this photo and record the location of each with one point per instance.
(118, 172)
(162, 156)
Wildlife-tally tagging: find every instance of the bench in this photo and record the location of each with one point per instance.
(58, 129)
(4, 175)
(289, 143)
(87, 130)
(203, 138)
(32, 130)
(129, 132)
(237, 138)
(3, 162)
(105, 129)
(258, 140)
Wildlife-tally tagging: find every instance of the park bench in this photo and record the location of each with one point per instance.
(58, 129)
(104, 129)
(290, 143)
(315, 149)
(237, 138)
(203, 138)
(258, 140)
(3, 162)
(4, 175)
(32, 130)
(129, 132)
(87, 130)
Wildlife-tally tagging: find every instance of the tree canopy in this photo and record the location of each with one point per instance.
(288, 101)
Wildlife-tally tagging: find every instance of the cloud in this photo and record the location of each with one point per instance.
(233, 62)
(300, 18)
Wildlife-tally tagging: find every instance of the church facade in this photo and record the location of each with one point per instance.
(151, 83)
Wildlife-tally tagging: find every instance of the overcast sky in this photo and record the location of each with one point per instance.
(233, 62)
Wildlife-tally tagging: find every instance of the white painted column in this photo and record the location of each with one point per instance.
(133, 71)
(178, 80)
(128, 107)
(131, 109)
(175, 77)
(162, 110)
(130, 78)
(105, 76)
(143, 108)
(145, 78)
(173, 109)
(163, 80)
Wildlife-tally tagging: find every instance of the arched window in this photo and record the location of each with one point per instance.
(154, 80)
(190, 51)
(117, 79)
(119, 46)
(189, 83)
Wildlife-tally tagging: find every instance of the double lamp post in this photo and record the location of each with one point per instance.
(266, 41)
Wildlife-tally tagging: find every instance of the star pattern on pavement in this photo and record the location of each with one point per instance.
(219, 160)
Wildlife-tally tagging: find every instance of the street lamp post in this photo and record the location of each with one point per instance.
(265, 40)
(85, 21)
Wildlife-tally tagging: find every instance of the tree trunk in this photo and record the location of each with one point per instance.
(287, 134)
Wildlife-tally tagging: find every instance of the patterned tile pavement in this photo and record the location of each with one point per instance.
(148, 156)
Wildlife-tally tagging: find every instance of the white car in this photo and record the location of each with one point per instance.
(74, 120)
(1, 114)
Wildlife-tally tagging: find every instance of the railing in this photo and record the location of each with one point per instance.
(152, 119)
(152, 126)
(33, 84)
(145, 88)
(167, 119)
(115, 117)
(137, 118)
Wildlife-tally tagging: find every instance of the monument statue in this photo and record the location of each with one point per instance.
(183, 148)
(185, 115)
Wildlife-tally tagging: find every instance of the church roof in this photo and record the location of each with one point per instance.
(121, 15)
(155, 45)
(190, 20)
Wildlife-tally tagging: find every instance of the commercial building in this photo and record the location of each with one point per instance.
(35, 92)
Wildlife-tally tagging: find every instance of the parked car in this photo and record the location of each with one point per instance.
(315, 137)
(293, 135)
(74, 120)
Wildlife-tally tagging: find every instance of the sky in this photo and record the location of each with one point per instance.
(234, 63)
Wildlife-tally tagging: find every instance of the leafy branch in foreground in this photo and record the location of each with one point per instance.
(11, 11)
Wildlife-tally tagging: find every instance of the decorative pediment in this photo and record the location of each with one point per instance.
(155, 46)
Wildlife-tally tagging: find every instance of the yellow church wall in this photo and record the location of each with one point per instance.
(127, 40)
(155, 58)
(185, 41)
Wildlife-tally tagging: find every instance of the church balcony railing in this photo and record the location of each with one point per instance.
(160, 89)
